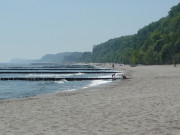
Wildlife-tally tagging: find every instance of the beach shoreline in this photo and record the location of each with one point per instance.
(149, 103)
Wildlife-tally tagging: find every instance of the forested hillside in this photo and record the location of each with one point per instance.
(157, 43)
(66, 57)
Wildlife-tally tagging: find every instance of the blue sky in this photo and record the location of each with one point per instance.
(32, 28)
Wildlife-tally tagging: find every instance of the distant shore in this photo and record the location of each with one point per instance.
(149, 103)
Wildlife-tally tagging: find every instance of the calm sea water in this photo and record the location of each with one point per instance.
(19, 89)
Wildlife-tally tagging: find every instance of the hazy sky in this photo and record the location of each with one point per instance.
(32, 28)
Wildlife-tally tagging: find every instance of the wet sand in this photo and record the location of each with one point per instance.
(146, 104)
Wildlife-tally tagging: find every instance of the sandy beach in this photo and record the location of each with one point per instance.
(146, 104)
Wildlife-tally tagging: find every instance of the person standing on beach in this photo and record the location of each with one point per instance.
(174, 62)
(113, 65)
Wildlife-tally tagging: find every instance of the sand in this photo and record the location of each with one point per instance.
(146, 104)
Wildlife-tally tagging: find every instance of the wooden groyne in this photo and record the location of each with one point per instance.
(48, 72)
(94, 69)
(53, 79)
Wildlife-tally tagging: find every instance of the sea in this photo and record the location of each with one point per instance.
(10, 89)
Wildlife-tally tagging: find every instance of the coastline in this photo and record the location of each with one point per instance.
(149, 103)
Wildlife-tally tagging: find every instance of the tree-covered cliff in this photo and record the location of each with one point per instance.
(157, 43)
(66, 57)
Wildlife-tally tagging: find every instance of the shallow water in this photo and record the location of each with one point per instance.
(19, 89)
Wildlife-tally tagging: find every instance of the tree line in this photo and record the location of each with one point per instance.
(156, 43)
